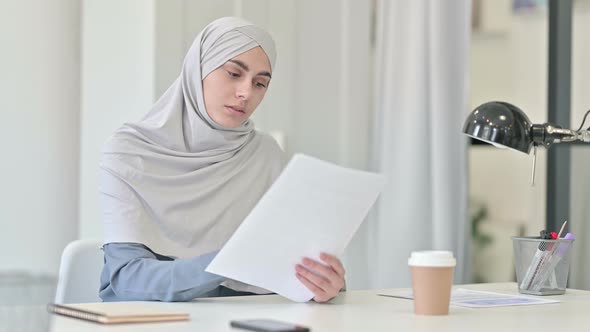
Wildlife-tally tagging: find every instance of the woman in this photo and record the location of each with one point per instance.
(176, 185)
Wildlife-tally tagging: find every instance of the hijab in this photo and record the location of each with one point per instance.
(176, 181)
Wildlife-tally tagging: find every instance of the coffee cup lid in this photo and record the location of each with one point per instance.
(435, 258)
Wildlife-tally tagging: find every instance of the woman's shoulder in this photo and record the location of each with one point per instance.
(268, 139)
(122, 138)
(271, 148)
(121, 149)
(270, 142)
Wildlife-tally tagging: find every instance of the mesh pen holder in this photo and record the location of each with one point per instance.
(542, 266)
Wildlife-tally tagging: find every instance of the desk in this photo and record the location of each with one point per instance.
(364, 311)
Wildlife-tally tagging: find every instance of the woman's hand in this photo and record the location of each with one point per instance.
(323, 281)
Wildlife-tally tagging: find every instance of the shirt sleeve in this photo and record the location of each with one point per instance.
(132, 272)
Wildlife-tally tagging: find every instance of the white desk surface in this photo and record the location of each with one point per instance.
(364, 311)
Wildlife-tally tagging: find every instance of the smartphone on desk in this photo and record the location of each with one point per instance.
(267, 325)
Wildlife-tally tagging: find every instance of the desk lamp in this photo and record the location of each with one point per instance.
(507, 126)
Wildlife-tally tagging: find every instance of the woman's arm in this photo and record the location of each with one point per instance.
(132, 272)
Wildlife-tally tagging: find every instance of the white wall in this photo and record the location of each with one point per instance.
(118, 83)
(499, 178)
(39, 101)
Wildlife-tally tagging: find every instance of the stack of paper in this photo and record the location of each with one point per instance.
(478, 299)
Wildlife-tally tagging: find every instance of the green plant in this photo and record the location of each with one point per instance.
(480, 239)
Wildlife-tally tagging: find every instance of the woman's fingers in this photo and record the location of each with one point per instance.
(326, 271)
(318, 280)
(319, 294)
(310, 285)
(324, 281)
(334, 262)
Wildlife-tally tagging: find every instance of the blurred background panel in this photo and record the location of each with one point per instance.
(74, 71)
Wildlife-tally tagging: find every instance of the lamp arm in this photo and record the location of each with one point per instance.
(547, 134)
(559, 135)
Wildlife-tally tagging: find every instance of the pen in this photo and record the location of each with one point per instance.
(548, 269)
(553, 280)
(545, 256)
(536, 261)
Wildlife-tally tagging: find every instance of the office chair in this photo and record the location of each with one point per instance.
(79, 272)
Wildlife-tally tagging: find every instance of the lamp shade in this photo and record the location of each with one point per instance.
(501, 124)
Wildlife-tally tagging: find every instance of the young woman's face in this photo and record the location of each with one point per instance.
(233, 91)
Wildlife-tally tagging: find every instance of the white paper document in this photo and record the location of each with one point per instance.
(313, 207)
(478, 299)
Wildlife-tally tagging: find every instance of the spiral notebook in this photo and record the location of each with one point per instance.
(116, 313)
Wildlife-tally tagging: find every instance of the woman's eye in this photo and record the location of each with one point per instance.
(260, 85)
(232, 74)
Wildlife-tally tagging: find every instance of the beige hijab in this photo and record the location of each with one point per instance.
(176, 181)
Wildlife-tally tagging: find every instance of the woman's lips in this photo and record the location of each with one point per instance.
(235, 110)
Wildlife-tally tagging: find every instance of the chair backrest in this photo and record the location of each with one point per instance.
(79, 272)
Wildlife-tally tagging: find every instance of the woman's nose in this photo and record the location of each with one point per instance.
(243, 90)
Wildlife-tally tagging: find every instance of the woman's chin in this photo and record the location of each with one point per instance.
(231, 123)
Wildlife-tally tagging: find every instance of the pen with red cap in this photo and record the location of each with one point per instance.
(544, 257)
(536, 261)
(548, 268)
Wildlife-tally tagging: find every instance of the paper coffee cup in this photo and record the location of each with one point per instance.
(432, 279)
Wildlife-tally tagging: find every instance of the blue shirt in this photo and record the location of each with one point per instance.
(133, 272)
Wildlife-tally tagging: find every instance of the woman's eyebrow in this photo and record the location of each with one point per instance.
(246, 68)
